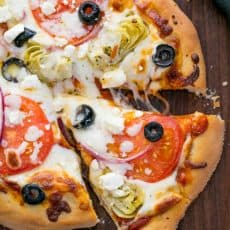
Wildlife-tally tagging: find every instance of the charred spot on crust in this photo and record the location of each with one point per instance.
(192, 165)
(177, 80)
(195, 58)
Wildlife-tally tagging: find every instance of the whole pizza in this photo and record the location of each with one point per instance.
(79, 88)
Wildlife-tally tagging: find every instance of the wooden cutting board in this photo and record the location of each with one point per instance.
(211, 211)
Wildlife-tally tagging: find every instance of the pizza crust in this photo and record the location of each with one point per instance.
(188, 37)
(206, 148)
(26, 217)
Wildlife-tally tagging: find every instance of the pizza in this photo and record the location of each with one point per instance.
(79, 88)
(145, 167)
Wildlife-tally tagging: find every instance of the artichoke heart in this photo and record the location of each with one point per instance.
(127, 205)
(113, 45)
(49, 67)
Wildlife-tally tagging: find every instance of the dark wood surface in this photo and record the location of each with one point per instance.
(211, 210)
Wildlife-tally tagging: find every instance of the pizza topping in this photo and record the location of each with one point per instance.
(64, 19)
(153, 131)
(48, 8)
(199, 124)
(111, 181)
(22, 38)
(57, 207)
(164, 56)
(33, 133)
(162, 156)
(89, 12)
(124, 200)
(49, 67)
(29, 141)
(10, 66)
(67, 133)
(11, 34)
(116, 41)
(5, 14)
(33, 194)
(84, 117)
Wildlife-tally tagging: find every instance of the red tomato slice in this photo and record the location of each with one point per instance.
(162, 157)
(52, 24)
(14, 137)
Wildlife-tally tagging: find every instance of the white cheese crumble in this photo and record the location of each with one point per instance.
(5, 14)
(48, 8)
(60, 41)
(134, 130)
(33, 133)
(82, 50)
(71, 20)
(34, 155)
(69, 51)
(14, 117)
(13, 32)
(113, 78)
(111, 181)
(126, 146)
(13, 101)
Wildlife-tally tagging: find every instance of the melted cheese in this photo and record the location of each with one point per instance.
(59, 160)
(153, 192)
(30, 87)
(109, 120)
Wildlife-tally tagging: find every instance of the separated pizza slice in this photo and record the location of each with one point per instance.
(146, 168)
(141, 45)
(41, 186)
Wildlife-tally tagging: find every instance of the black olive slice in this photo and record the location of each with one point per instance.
(6, 65)
(32, 194)
(89, 13)
(84, 117)
(164, 55)
(22, 38)
(153, 131)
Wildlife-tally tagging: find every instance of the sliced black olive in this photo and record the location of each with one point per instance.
(24, 37)
(153, 131)
(89, 13)
(84, 117)
(7, 64)
(33, 194)
(164, 56)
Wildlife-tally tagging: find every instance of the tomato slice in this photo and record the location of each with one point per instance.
(53, 24)
(161, 158)
(13, 162)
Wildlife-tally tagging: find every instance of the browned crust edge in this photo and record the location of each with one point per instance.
(188, 36)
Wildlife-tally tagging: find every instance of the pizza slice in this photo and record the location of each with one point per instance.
(40, 177)
(91, 46)
(146, 168)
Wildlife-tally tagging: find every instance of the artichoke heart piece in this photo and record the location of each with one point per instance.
(49, 67)
(107, 54)
(126, 206)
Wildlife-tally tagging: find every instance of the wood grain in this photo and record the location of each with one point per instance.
(211, 211)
